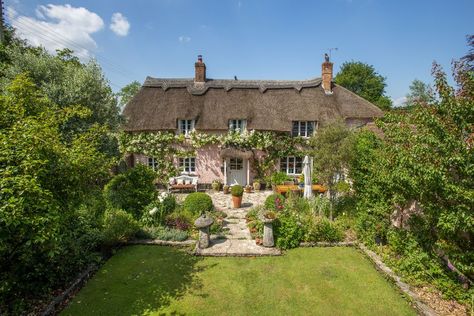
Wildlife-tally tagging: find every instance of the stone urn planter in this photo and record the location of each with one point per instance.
(268, 219)
(256, 186)
(226, 189)
(202, 224)
(248, 189)
(237, 192)
(216, 186)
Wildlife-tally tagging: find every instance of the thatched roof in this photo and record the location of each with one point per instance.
(265, 104)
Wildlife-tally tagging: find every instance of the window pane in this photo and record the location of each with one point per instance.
(295, 128)
(310, 128)
(298, 165)
(291, 165)
(302, 129)
(283, 164)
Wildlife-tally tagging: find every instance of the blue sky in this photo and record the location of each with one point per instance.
(252, 39)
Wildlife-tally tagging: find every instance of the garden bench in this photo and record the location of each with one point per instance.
(183, 183)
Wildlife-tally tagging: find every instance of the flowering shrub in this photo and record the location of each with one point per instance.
(274, 202)
(288, 230)
(165, 146)
(154, 214)
(179, 220)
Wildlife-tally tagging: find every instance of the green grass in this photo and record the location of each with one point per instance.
(152, 280)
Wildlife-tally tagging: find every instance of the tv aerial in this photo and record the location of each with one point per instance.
(330, 50)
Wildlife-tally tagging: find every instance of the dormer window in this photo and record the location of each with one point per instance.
(303, 128)
(185, 126)
(237, 125)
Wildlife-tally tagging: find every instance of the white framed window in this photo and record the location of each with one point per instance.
(291, 165)
(185, 126)
(152, 163)
(187, 165)
(303, 128)
(237, 125)
(236, 163)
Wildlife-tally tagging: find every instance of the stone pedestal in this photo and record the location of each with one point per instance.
(268, 234)
(204, 237)
(203, 223)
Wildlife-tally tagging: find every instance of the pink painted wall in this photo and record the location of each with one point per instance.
(208, 164)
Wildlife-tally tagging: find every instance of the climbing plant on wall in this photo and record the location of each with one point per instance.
(165, 146)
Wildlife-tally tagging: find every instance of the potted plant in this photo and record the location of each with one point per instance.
(226, 189)
(248, 188)
(301, 180)
(278, 178)
(237, 191)
(256, 185)
(216, 185)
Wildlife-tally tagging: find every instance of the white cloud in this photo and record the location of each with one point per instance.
(58, 27)
(399, 101)
(120, 24)
(11, 13)
(184, 39)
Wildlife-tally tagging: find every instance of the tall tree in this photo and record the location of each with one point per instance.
(65, 81)
(420, 93)
(331, 152)
(363, 80)
(128, 92)
(43, 180)
(469, 57)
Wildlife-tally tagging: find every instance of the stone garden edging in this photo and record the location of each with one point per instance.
(421, 307)
(329, 244)
(185, 243)
(51, 309)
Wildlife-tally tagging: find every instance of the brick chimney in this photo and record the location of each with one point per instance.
(200, 70)
(327, 74)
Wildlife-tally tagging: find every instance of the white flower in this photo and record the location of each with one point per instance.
(153, 211)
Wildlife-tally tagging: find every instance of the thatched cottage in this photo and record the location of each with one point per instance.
(222, 105)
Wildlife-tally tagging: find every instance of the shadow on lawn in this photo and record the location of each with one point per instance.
(161, 275)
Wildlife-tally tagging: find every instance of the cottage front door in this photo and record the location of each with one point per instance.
(236, 171)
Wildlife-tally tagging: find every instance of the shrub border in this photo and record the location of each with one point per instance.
(59, 300)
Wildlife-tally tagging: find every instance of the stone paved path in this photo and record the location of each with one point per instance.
(238, 241)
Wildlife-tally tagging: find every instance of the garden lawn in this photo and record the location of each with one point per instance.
(153, 280)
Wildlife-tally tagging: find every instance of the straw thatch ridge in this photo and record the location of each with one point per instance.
(266, 104)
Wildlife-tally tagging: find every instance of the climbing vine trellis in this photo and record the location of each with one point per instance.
(165, 146)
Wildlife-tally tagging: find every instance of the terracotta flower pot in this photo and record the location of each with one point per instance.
(236, 201)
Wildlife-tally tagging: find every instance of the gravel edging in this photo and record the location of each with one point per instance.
(186, 243)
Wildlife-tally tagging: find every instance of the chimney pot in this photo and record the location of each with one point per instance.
(326, 75)
(199, 71)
